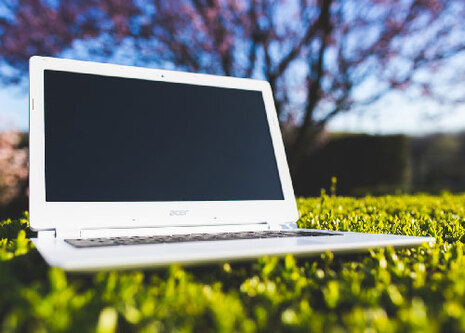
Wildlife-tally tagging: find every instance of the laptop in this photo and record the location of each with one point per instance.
(136, 167)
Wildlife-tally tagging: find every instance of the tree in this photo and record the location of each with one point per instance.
(321, 57)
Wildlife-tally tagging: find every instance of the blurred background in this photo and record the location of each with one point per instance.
(371, 92)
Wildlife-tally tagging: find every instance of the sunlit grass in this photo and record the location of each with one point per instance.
(387, 290)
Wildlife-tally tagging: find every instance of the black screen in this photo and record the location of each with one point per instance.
(120, 139)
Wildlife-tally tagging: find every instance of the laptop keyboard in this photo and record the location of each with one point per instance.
(163, 239)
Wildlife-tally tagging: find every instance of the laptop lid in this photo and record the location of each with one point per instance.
(125, 147)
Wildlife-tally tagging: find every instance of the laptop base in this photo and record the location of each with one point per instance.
(58, 253)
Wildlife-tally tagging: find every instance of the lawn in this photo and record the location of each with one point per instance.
(386, 290)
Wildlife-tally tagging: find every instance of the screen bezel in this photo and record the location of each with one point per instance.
(79, 215)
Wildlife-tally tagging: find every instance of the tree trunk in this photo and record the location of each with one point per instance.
(309, 130)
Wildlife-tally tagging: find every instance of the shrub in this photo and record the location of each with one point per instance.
(14, 173)
(384, 290)
(364, 164)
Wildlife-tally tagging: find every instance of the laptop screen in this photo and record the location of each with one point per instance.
(113, 139)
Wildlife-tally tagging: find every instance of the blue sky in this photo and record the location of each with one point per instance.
(13, 108)
(396, 113)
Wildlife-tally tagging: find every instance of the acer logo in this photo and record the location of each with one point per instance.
(180, 212)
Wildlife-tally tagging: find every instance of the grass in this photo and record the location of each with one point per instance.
(385, 290)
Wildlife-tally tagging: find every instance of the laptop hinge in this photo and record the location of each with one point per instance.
(67, 233)
(46, 233)
(121, 232)
(74, 233)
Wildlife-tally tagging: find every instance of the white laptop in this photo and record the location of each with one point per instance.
(136, 167)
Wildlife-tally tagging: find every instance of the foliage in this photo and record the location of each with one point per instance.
(384, 290)
(14, 173)
(375, 164)
(437, 162)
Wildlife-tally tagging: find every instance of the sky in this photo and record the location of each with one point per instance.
(14, 109)
(392, 114)
(396, 113)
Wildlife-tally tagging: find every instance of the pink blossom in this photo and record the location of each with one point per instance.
(14, 164)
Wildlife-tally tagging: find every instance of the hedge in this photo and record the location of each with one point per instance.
(376, 164)
(385, 290)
